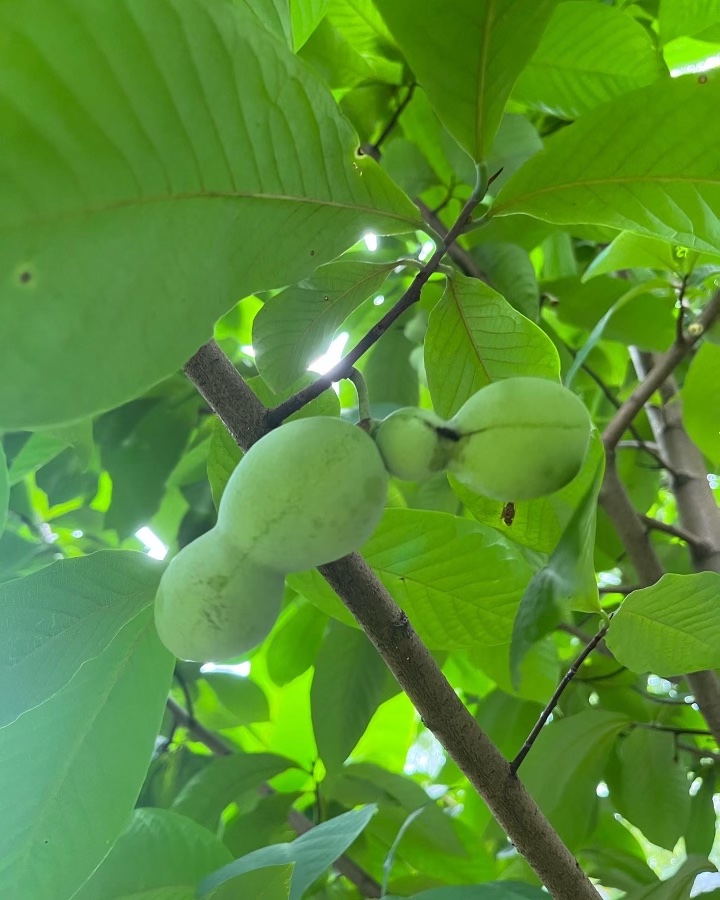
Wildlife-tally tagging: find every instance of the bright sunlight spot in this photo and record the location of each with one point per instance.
(602, 790)
(427, 248)
(712, 62)
(241, 669)
(331, 357)
(154, 547)
(371, 241)
(379, 300)
(248, 350)
(705, 883)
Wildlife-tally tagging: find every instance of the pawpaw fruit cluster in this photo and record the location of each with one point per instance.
(306, 494)
(516, 439)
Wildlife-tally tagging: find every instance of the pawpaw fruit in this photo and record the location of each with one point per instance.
(412, 443)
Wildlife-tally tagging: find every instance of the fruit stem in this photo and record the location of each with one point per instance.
(358, 380)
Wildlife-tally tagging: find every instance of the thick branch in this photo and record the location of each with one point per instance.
(417, 673)
(367, 885)
(664, 367)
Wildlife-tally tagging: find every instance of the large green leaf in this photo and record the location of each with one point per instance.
(221, 783)
(475, 337)
(71, 768)
(161, 856)
(589, 54)
(468, 61)
(312, 853)
(153, 157)
(567, 580)
(699, 19)
(295, 326)
(564, 767)
(671, 627)
(701, 401)
(509, 268)
(4, 489)
(58, 618)
(459, 582)
(649, 788)
(294, 644)
(635, 251)
(348, 685)
(628, 182)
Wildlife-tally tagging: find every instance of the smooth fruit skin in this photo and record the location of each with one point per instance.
(306, 494)
(410, 444)
(520, 438)
(214, 603)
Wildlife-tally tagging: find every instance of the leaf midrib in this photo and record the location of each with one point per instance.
(66, 215)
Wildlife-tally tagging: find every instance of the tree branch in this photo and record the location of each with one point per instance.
(655, 378)
(279, 413)
(365, 883)
(553, 701)
(691, 540)
(406, 656)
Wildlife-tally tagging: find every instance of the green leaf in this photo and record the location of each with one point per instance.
(4, 489)
(57, 619)
(391, 378)
(222, 782)
(510, 270)
(636, 251)
(501, 890)
(652, 187)
(564, 767)
(588, 54)
(161, 856)
(39, 449)
(700, 829)
(699, 19)
(269, 883)
(458, 581)
(348, 686)
(567, 580)
(312, 853)
(468, 61)
(305, 16)
(141, 457)
(190, 141)
(679, 886)
(294, 644)
(295, 326)
(701, 403)
(475, 337)
(72, 767)
(240, 696)
(649, 788)
(669, 628)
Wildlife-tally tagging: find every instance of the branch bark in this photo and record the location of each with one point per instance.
(406, 656)
(299, 823)
(662, 370)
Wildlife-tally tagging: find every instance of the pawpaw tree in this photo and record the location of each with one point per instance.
(359, 447)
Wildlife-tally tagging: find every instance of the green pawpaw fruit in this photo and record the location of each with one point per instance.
(412, 443)
(519, 439)
(306, 494)
(215, 603)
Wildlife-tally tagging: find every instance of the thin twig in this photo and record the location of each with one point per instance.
(578, 633)
(459, 255)
(680, 533)
(674, 729)
(365, 883)
(680, 321)
(358, 379)
(664, 368)
(553, 702)
(698, 751)
(387, 130)
(619, 588)
(280, 412)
